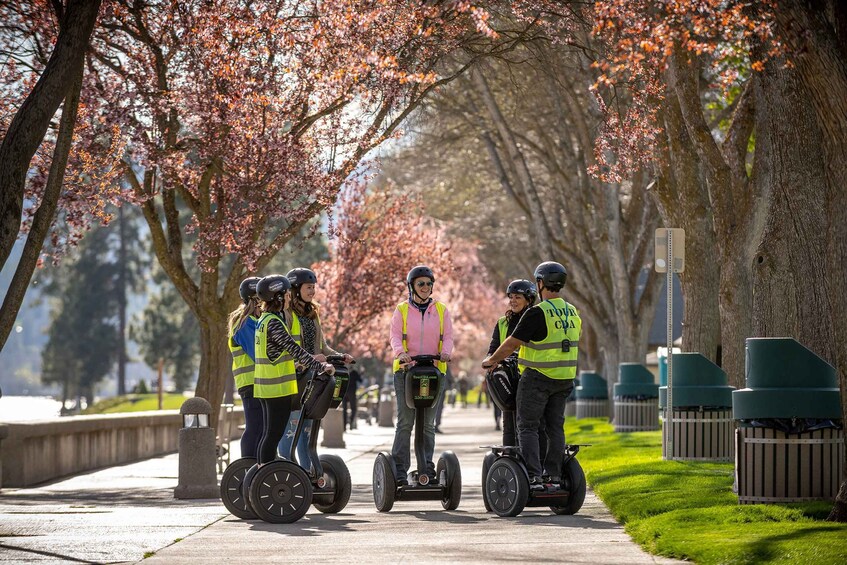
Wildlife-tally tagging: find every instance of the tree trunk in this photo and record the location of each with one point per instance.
(122, 282)
(736, 310)
(819, 49)
(46, 212)
(790, 287)
(214, 363)
(27, 129)
(683, 200)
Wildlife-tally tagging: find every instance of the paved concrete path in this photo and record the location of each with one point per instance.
(127, 513)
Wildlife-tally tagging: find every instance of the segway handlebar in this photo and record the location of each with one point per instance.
(337, 359)
(422, 360)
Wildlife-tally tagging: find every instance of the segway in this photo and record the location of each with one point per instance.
(423, 382)
(505, 479)
(281, 492)
(231, 492)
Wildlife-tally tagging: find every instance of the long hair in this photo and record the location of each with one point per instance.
(237, 316)
(529, 304)
(302, 308)
(274, 305)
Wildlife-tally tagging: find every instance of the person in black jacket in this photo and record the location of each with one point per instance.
(349, 402)
(522, 295)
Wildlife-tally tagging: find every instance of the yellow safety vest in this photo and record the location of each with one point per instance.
(503, 325)
(404, 311)
(280, 379)
(243, 368)
(547, 357)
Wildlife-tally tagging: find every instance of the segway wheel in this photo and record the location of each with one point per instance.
(281, 492)
(384, 483)
(508, 487)
(573, 479)
(490, 457)
(245, 486)
(449, 463)
(338, 478)
(231, 493)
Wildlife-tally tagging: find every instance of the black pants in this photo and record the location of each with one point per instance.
(254, 425)
(276, 412)
(541, 406)
(349, 403)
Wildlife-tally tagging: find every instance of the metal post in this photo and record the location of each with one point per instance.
(669, 282)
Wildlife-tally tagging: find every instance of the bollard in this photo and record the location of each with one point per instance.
(197, 476)
(592, 396)
(636, 394)
(790, 436)
(385, 418)
(333, 426)
(701, 418)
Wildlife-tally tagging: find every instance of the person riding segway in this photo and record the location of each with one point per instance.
(278, 491)
(304, 313)
(242, 339)
(548, 335)
(422, 340)
(330, 477)
(503, 379)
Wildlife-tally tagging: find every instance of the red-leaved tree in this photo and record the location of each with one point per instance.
(241, 121)
(381, 235)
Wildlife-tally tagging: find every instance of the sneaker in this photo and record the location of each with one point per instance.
(438, 430)
(404, 482)
(536, 484)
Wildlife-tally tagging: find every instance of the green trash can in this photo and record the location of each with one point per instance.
(701, 419)
(592, 396)
(789, 438)
(636, 391)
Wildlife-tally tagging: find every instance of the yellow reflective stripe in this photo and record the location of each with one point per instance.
(547, 364)
(275, 380)
(282, 359)
(553, 345)
(243, 370)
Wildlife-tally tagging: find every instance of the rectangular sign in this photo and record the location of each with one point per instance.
(661, 256)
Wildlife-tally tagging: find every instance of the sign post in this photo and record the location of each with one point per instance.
(670, 259)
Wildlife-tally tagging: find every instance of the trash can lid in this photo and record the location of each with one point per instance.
(592, 386)
(634, 379)
(697, 382)
(786, 380)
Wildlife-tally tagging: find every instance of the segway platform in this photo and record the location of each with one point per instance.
(281, 491)
(422, 382)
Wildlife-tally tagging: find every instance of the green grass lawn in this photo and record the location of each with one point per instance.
(687, 510)
(135, 403)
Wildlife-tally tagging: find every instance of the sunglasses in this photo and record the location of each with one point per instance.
(423, 284)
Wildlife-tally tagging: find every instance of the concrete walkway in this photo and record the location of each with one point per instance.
(128, 513)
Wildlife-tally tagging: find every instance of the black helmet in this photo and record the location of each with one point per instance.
(419, 271)
(271, 286)
(247, 289)
(552, 274)
(301, 276)
(524, 287)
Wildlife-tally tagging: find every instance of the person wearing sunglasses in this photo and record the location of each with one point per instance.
(419, 326)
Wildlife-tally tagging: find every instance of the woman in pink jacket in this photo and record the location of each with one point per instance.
(428, 331)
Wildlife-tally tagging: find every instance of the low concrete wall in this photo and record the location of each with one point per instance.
(44, 450)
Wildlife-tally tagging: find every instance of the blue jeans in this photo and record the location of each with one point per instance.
(302, 444)
(400, 451)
